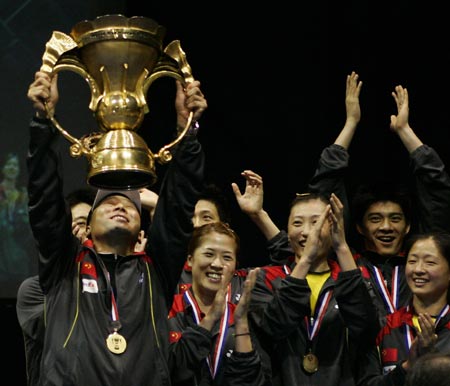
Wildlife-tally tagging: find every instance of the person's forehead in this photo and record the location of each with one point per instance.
(81, 209)
(425, 243)
(203, 205)
(388, 207)
(116, 197)
(309, 207)
(216, 240)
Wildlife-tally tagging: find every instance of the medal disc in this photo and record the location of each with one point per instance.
(116, 343)
(310, 363)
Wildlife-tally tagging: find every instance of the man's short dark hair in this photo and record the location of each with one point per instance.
(432, 369)
(215, 195)
(368, 194)
(81, 195)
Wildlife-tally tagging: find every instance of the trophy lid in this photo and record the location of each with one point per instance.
(119, 27)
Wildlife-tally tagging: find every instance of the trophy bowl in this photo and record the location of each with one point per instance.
(120, 58)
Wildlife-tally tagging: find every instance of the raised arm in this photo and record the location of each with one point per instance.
(333, 163)
(251, 203)
(432, 182)
(171, 227)
(353, 111)
(50, 217)
(400, 122)
(149, 199)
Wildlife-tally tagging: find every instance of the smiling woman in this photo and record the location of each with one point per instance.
(427, 271)
(422, 326)
(211, 341)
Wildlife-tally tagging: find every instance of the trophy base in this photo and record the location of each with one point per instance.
(122, 179)
(121, 160)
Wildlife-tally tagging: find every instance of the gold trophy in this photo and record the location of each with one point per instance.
(120, 58)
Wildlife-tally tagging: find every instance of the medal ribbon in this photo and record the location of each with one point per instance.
(114, 310)
(115, 321)
(314, 326)
(390, 299)
(213, 362)
(286, 269)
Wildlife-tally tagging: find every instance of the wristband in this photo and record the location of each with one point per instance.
(193, 129)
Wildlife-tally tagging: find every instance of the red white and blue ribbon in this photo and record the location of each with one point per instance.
(214, 359)
(390, 299)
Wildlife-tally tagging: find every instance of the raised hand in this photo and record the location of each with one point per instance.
(337, 229)
(189, 98)
(141, 242)
(425, 339)
(311, 254)
(352, 109)
(352, 91)
(220, 300)
(401, 98)
(242, 328)
(251, 202)
(336, 219)
(44, 90)
(240, 313)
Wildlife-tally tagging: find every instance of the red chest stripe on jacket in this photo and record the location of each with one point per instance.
(271, 273)
(393, 321)
(335, 268)
(177, 305)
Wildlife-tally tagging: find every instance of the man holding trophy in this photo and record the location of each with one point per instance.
(106, 306)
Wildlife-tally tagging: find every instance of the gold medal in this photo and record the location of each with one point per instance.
(310, 363)
(116, 343)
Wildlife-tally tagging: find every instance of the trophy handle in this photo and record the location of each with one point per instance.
(78, 147)
(173, 64)
(58, 45)
(164, 155)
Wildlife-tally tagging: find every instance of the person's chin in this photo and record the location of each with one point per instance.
(120, 231)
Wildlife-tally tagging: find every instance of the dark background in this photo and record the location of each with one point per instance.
(274, 77)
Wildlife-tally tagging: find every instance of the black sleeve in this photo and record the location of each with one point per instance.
(370, 371)
(329, 176)
(356, 306)
(279, 248)
(244, 369)
(172, 226)
(276, 312)
(188, 354)
(432, 185)
(50, 217)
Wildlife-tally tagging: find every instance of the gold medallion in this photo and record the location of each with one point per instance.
(310, 363)
(116, 343)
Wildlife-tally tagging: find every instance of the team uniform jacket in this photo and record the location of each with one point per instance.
(196, 353)
(280, 311)
(235, 292)
(383, 367)
(78, 300)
